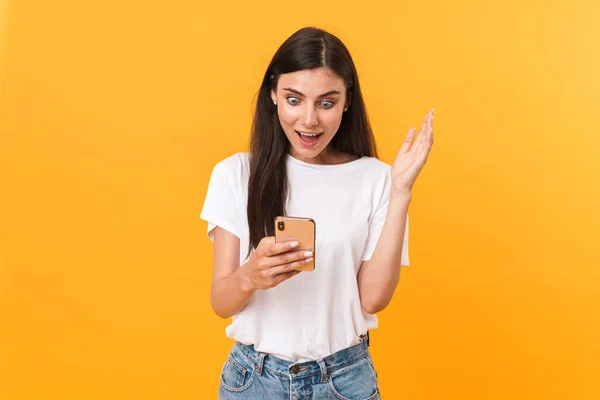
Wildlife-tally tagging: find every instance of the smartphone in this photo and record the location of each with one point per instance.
(304, 230)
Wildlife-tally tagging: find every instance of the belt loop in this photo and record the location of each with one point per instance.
(324, 376)
(261, 361)
(366, 338)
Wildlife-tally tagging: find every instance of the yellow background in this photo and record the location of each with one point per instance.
(113, 113)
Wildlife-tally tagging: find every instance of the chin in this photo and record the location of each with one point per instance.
(308, 153)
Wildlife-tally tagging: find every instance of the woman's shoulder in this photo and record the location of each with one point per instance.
(376, 166)
(371, 163)
(235, 159)
(235, 165)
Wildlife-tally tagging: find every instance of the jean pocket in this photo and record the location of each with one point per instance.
(355, 382)
(236, 375)
(370, 359)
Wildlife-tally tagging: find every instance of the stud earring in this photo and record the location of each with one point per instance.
(275, 102)
(345, 109)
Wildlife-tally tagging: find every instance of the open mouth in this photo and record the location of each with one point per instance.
(309, 139)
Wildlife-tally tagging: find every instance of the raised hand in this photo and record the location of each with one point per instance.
(412, 156)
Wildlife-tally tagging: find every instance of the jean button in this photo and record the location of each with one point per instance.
(295, 369)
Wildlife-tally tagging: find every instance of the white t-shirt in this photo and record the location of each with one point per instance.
(314, 313)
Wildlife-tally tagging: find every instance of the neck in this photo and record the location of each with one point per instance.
(328, 156)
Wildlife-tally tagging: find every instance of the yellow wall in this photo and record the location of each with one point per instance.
(113, 113)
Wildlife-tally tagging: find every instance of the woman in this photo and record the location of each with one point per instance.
(304, 335)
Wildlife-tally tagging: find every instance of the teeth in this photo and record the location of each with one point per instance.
(306, 134)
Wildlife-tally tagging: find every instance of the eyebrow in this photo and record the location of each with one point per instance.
(301, 94)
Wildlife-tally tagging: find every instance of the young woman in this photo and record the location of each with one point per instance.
(304, 335)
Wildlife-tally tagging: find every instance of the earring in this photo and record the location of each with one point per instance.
(345, 109)
(274, 102)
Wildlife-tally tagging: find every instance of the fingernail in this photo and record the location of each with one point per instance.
(308, 260)
(294, 244)
(308, 254)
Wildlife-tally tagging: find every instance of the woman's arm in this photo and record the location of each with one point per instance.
(270, 264)
(228, 294)
(378, 277)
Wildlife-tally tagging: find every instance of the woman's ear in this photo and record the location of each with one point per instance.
(274, 97)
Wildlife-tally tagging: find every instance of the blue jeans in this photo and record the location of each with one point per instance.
(348, 374)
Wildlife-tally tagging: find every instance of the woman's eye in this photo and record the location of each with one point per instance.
(293, 100)
(327, 104)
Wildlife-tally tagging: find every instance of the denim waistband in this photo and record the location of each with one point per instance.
(297, 370)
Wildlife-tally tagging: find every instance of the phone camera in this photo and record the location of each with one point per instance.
(280, 225)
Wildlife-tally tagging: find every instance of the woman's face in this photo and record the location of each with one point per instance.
(310, 105)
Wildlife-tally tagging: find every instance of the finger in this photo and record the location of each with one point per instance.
(425, 125)
(425, 137)
(280, 247)
(423, 149)
(430, 120)
(285, 258)
(279, 269)
(421, 157)
(264, 245)
(429, 141)
(422, 133)
(431, 124)
(289, 257)
(409, 139)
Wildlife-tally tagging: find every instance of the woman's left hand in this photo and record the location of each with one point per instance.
(412, 157)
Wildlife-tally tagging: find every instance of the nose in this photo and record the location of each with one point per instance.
(311, 116)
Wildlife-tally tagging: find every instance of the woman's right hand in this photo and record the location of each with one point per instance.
(272, 263)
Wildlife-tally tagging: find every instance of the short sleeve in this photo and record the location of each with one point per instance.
(377, 221)
(220, 205)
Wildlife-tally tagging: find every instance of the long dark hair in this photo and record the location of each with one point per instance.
(308, 48)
